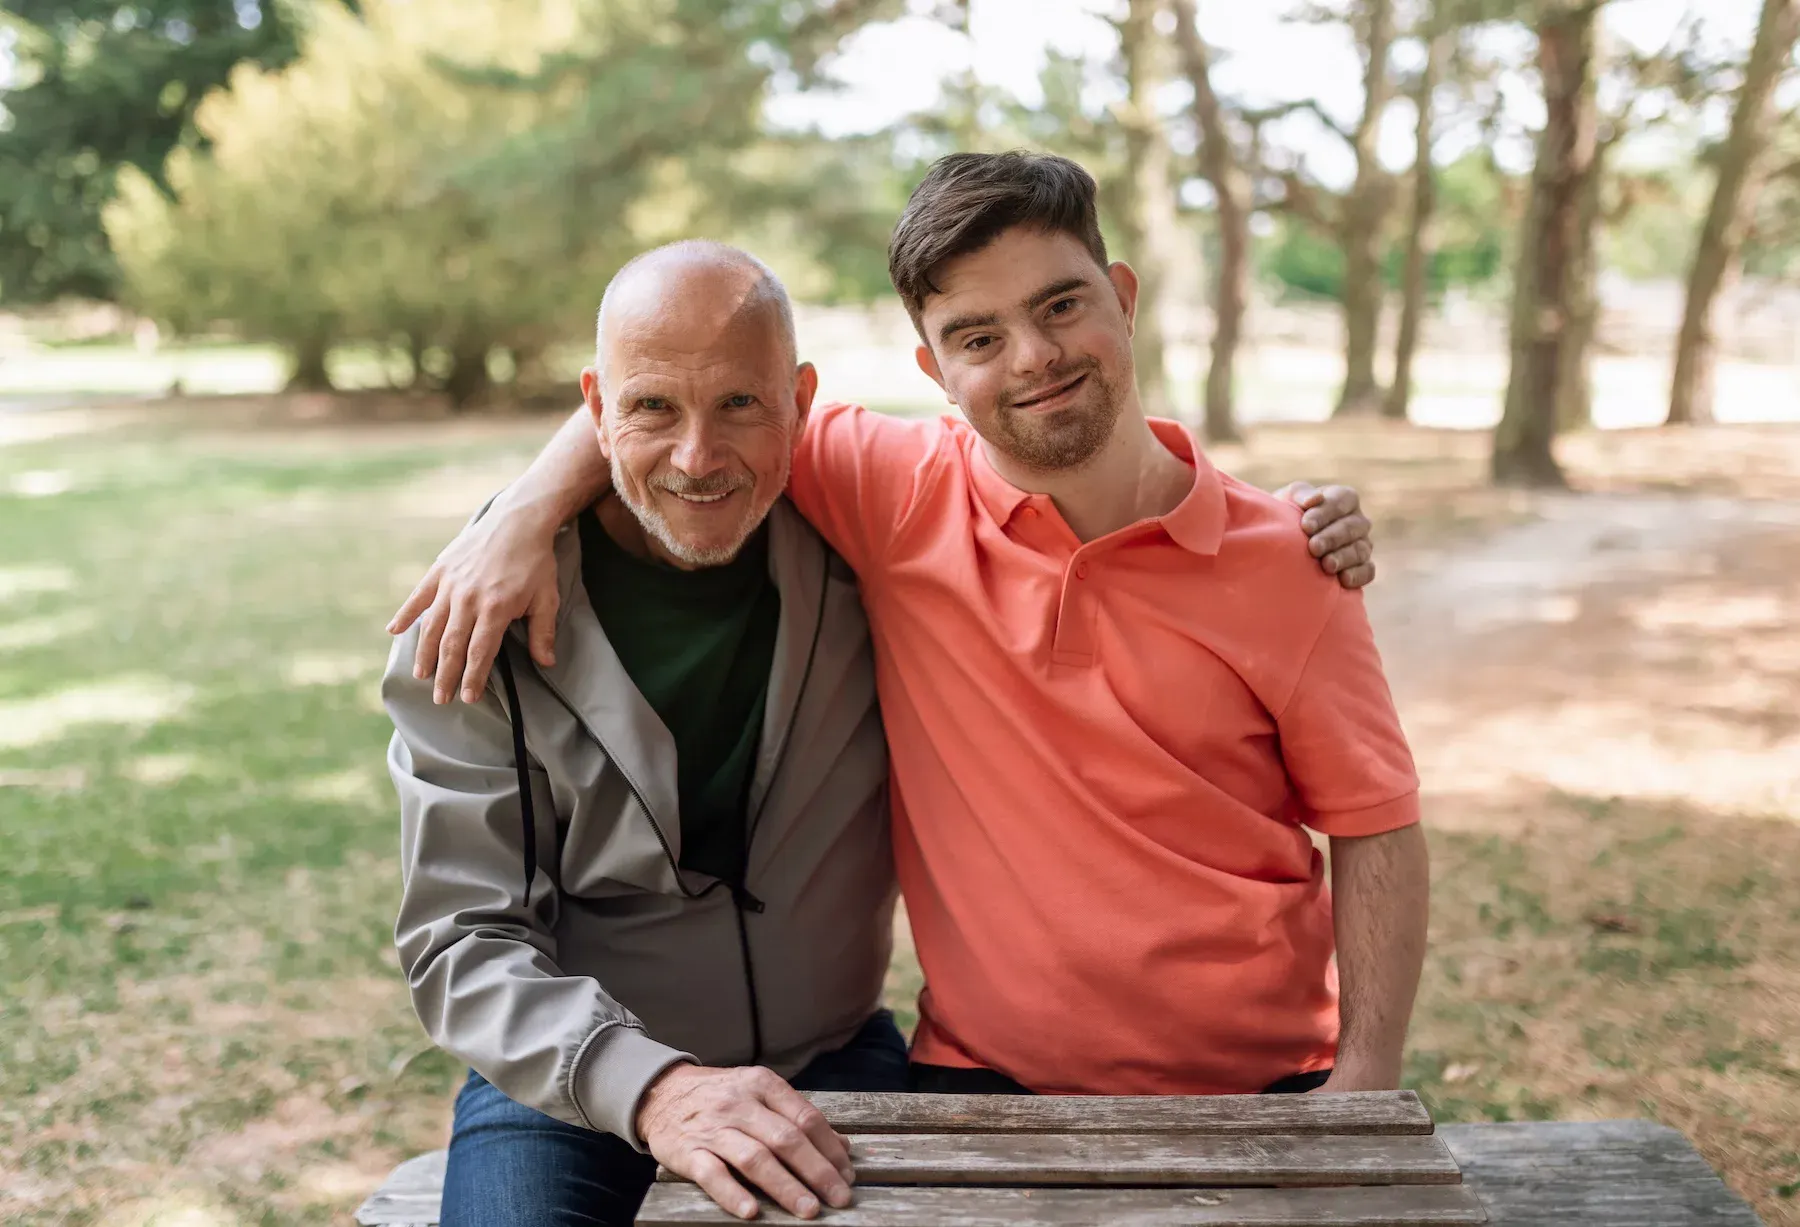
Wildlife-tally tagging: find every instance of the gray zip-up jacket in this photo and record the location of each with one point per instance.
(573, 991)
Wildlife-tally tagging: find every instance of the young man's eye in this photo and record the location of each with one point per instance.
(1063, 306)
(975, 344)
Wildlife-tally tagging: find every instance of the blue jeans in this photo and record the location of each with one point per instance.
(512, 1166)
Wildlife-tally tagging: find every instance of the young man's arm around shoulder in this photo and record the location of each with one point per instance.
(855, 472)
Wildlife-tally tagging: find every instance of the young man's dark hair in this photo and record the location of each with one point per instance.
(967, 199)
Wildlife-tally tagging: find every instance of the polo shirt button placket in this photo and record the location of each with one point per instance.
(1074, 622)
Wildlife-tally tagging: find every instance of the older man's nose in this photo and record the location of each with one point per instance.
(697, 452)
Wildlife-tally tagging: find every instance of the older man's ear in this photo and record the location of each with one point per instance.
(593, 396)
(806, 387)
(590, 390)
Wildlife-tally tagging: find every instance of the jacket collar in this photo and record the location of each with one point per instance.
(591, 680)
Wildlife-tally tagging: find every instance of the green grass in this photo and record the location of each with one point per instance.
(198, 833)
(110, 368)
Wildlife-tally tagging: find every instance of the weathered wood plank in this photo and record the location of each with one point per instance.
(1144, 1159)
(671, 1204)
(1377, 1112)
(1597, 1173)
(410, 1197)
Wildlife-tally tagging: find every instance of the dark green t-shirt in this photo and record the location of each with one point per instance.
(699, 646)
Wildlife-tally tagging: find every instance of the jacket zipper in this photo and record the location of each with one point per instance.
(741, 897)
(742, 900)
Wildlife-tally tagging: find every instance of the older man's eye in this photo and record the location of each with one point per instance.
(652, 404)
(743, 400)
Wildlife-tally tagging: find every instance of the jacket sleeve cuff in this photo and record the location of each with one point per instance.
(612, 1075)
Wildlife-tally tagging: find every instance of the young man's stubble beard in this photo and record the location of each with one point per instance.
(1065, 438)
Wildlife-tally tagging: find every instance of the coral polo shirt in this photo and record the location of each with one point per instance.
(1104, 756)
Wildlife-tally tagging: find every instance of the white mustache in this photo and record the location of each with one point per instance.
(700, 487)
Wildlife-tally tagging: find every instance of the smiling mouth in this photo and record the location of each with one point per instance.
(701, 500)
(1053, 395)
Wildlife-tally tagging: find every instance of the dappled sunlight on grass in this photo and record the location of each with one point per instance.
(155, 769)
(1622, 749)
(366, 784)
(40, 483)
(30, 581)
(124, 700)
(332, 669)
(37, 632)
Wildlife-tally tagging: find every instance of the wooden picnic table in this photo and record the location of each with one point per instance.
(1005, 1161)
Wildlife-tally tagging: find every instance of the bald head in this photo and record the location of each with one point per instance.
(697, 396)
(713, 293)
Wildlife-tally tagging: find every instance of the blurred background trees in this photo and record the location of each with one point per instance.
(445, 184)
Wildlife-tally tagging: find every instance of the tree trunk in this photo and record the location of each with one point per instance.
(1364, 211)
(415, 357)
(1540, 317)
(310, 374)
(1733, 204)
(1419, 244)
(1231, 296)
(1234, 191)
(1575, 386)
(1149, 213)
(468, 377)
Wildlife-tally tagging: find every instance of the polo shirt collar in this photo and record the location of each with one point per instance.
(1197, 524)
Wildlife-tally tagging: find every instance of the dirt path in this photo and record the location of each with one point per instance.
(1604, 703)
(1433, 607)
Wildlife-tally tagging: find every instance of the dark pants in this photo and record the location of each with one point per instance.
(512, 1166)
(946, 1080)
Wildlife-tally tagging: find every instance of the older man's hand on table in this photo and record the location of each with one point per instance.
(705, 1123)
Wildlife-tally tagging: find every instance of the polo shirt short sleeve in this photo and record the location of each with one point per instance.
(857, 475)
(1340, 736)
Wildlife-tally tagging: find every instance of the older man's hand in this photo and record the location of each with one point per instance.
(707, 1123)
(1336, 529)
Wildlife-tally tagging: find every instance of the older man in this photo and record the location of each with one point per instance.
(665, 855)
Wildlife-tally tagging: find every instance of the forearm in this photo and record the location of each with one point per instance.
(568, 475)
(1381, 897)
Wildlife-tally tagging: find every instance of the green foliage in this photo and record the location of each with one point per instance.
(1305, 262)
(99, 86)
(388, 188)
(1472, 231)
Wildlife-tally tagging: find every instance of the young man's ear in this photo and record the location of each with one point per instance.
(929, 364)
(593, 397)
(1125, 287)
